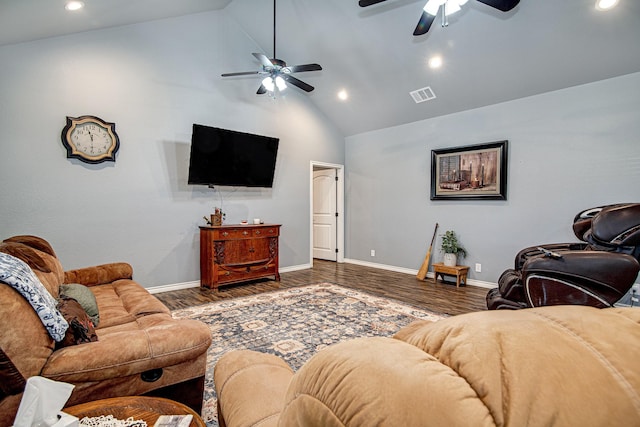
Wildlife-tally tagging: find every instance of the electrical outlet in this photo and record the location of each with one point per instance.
(373, 252)
(478, 267)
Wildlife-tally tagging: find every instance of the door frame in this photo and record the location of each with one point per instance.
(313, 165)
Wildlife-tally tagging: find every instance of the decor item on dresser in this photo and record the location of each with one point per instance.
(90, 139)
(216, 218)
(136, 348)
(490, 368)
(473, 172)
(452, 249)
(237, 253)
(598, 271)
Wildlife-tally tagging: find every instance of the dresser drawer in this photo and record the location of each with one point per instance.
(244, 232)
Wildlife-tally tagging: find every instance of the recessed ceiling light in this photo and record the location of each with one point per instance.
(606, 4)
(343, 95)
(435, 62)
(74, 5)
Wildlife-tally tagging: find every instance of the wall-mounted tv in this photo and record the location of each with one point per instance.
(230, 158)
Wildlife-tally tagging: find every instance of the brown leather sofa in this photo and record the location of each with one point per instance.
(598, 271)
(546, 366)
(140, 349)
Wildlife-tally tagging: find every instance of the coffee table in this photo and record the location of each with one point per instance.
(143, 408)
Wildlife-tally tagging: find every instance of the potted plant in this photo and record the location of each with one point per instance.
(452, 249)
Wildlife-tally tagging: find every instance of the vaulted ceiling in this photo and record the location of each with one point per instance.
(488, 56)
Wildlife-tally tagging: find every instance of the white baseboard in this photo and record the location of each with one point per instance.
(196, 283)
(470, 282)
(173, 287)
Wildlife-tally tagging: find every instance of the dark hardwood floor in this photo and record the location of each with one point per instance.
(440, 297)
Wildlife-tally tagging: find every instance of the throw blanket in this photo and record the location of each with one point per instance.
(17, 274)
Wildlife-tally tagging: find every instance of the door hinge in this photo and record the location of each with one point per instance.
(336, 214)
(336, 178)
(336, 250)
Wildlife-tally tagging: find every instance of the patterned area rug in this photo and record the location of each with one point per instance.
(294, 324)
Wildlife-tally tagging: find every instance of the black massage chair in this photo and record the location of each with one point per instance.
(597, 271)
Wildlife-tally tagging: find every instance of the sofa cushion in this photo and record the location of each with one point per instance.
(123, 301)
(84, 297)
(81, 329)
(149, 342)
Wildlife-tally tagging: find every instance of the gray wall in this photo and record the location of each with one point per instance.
(568, 150)
(153, 80)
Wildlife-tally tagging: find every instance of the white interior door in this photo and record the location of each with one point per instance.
(324, 214)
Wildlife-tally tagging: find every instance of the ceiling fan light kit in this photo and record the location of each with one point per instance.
(449, 7)
(277, 72)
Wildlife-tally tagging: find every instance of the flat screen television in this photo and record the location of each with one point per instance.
(231, 158)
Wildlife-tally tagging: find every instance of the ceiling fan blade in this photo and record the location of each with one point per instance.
(299, 83)
(424, 24)
(266, 62)
(503, 5)
(242, 73)
(261, 90)
(365, 3)
(304, 67)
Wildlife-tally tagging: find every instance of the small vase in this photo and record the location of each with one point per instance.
(450, 260)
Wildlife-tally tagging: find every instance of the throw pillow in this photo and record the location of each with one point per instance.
(81, 328)
(85, 297)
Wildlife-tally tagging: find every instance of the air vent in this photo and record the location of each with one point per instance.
(422, 95)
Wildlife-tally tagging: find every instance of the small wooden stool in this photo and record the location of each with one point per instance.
(460, 271)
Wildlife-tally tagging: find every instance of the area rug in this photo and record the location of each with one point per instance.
(294, 324)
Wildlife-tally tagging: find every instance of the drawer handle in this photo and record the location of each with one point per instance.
(252, 250)
(245, 233)
(224, 233)
(257, 231)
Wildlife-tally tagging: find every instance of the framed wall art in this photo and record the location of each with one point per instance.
(470, 172)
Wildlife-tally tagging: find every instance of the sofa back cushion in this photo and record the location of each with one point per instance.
(25, 343)
(539, 366)
(39, 255)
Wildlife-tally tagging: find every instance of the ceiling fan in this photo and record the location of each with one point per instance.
(277, 73)
(449, 7)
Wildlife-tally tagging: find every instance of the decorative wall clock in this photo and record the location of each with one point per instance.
(90, 139)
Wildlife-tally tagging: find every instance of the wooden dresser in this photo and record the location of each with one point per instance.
(237, 253)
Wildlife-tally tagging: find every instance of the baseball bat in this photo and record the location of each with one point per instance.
(422, 273)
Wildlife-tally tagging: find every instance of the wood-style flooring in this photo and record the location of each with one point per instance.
(441, 297)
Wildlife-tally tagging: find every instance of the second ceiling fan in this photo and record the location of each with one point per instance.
(277, 73)
(448, 7)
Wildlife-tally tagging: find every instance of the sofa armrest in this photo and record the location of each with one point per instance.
(99, 274)
(380, 381)
(251, 388)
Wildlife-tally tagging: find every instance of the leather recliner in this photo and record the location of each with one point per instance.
(597, 271)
